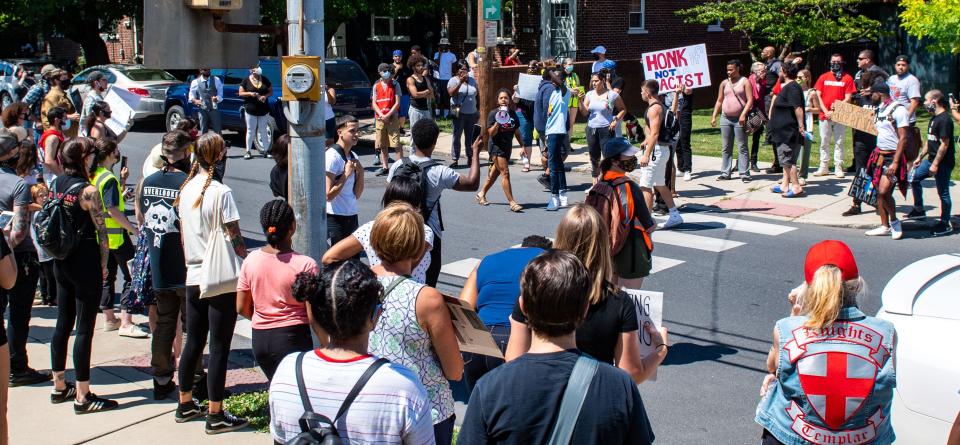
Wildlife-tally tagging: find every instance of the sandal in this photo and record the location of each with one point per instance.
(482, 200)
(526, 168)
(515, 207)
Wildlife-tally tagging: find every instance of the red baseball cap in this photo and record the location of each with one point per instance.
(830, 252)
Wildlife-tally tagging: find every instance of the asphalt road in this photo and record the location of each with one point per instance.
(723, 292)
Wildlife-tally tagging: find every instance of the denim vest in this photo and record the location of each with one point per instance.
(834, 385)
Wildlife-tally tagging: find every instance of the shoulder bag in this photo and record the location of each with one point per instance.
(755, 119)
(573, 397)
(221, 265)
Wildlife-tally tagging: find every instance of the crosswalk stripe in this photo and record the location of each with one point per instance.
(662, 263)
(243, 328)
(691, 241)
(740, 225)
(460, 268)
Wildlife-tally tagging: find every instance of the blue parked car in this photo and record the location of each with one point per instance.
(345, 76)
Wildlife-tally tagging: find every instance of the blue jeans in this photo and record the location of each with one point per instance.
(526, 129)
(463, 125)
(558, 177)
(942, 178)
(477, 365)
(443, 431)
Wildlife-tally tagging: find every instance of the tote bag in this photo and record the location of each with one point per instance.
(221, 265)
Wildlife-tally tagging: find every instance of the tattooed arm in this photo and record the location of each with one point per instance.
(20, 225)
(236, 238)
(91, 203)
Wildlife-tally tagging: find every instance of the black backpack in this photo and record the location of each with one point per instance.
(671, 125)
(417, 172)
(56, 234)
(326, 431)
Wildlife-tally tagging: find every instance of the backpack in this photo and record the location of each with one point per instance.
(417, 172)
(55, 232)
(326, 433)
(671, 125)
(603, 197)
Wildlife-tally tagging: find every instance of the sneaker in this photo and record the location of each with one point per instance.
(563, 199)
(111, 325)
(188, 411)
(879, 231)
(267, 155)
(915, 213)
(754, 168)
(544, 180)
(838, 173)
(93, 404)
(132, 331)
(687, 176)
(247, 155)
(224, 422)
(745, 179)
(660, 209)
(774, 170)
(29, 377)
(896, 229)
(822, 172)
(723, 178)
(672, 221)
(383, 172)
(161, 392)
(376, 161)
(853, 210)
(554, 203)
(69, 393)
(455, 163)
(942, 228)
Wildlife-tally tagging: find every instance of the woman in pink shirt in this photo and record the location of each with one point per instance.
(281, 324)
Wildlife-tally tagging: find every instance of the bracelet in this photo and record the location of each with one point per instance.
(657, 348)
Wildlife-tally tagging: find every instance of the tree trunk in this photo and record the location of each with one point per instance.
(94, 48)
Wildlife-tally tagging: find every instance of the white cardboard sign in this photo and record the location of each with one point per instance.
(122, 103)
(527, 86)
(685, 66)
(649, 311)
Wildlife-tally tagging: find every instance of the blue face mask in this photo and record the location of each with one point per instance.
(386, 75)
(67, 124)
(568, 69)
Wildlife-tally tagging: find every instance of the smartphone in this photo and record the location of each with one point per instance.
(477, 130)
(5, 218)
(123, 161)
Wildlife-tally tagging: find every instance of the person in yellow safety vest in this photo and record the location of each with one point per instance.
(121, 248)
(575, 87)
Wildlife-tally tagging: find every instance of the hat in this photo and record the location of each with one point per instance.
(609, 64)
(444, 41)
(903, 58)
(618, 147)
(599, 50)
(8, 141)
(834, 253)
(880, 86)
(384, 67)
(47, 69)
(95, 76)
(397, 52)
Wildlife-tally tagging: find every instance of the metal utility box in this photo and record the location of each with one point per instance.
(177, 36)
(218, 5)
(301, 78)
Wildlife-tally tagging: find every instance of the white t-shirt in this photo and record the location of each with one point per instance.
(153, 163)
(196, 222)
(392, 407)
(902, 89)
(887, 137)
(444, 65)
(439, 177)
(345, 203)
(557, 112)
(419, 273)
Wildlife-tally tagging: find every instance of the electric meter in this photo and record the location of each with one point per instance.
(220, 5)
(301, 78)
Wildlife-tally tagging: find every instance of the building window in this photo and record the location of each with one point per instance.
(715, 27)
(389, 29)
(638, 17)
(504, 27)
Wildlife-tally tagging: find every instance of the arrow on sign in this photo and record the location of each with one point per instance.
(490, 11)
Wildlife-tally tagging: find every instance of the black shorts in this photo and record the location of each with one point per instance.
(498, 151)
(787, 154)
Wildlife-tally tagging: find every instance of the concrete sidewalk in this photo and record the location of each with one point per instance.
(824, 202)
(121, 371)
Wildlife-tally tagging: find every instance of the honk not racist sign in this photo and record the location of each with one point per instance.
(673, 68)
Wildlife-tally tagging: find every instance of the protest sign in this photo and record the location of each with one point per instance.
(472, 335)
(649, 307)
(672, 68)
(854, 116)
(527, 86)
(122, 103)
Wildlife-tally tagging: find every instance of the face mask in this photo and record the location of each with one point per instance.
(193, 134)
(835, 67)
(67, 124)
(107, 114)
(385, 75)
(629, 165)
(930, 107)
(64, 84)
(258, 71)
(568, 69)
(596, 57)
(182, 165)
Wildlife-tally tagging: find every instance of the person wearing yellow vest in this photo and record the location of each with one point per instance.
(121, 248)
(575, 87)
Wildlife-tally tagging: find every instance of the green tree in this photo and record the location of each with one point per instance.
(937, 21)
(785, 23)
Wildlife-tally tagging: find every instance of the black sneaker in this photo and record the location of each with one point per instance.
(189, 411)
(544, 180)
(224, 422)
(94, 404)
(746, 178)
(455, 163)
(942, 228)
(383, 172)
(403, 132)
(853, 210)
(68, 394)
(916, 213)
(774, 170)
(376, 161)
(723, 178)
(161, 392)
(29, 377)
(754, 168)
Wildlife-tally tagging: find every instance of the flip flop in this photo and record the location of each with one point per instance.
(792, 194)
(482, 200)
(515, 207)
(777, 189)
(526, 168)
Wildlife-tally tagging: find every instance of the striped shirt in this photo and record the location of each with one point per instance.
(557, 112)
(392, 408)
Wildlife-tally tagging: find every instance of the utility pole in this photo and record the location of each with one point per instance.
(483, 72)
(306, 177)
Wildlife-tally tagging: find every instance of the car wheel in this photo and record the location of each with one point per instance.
(174, 115)
(264, 146)
(5, 100)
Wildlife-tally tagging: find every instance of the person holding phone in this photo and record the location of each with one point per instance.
(503, 126)
(605, 109)
(463, 108)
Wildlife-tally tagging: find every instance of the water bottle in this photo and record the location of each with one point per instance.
(808, 135)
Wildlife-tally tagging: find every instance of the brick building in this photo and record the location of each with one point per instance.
(123, 43)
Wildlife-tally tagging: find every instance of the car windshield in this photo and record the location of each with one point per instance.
(345, 74)
(147, 75)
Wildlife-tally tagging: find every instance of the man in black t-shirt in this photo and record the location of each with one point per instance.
(938, 161)
(554, 296)
(786, 128)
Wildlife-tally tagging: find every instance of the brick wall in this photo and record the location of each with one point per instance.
(121, 49)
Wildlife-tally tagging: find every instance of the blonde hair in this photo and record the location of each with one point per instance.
(583, 232)
(756, 66)
(806, 77)
(208, 151)
(826, 294)
(397, 233)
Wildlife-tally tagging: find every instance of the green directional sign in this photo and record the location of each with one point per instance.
(491, 9)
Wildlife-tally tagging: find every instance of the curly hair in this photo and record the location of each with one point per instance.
(343, 297)
(277, 219)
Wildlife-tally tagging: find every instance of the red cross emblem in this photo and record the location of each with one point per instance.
(836, 384)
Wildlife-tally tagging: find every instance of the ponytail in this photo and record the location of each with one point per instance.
(827, 294)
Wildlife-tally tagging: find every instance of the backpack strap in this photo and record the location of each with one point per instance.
(301, 386)
(573, 397)
(424, 167)
(355, 391)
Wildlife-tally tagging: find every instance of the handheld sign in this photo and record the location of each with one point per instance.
(122, 104)
(472, 335)
(527, 86)
(672, 68)
(855, 116)
(649, 307)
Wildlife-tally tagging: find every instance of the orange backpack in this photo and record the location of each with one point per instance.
(605, 199)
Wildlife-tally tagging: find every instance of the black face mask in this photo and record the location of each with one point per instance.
(107, 114)
(629, 165)
(182, 165)
(64, 85)
(836, 67)
(596, 57)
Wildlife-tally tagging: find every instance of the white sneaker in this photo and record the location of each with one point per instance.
(111, 325)
(879, 231)
(824, 171)
(838, 172)
(554, 203)
(563, 199)
(672, 221)
(132, 331)
(896, 229)
(687, 176)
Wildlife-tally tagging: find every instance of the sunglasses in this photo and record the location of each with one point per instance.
(862, 58)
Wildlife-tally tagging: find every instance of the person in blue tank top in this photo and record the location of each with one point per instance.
(831, 367)
(492, 289)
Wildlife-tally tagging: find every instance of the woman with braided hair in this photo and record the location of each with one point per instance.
(281, 324)
(202, 200)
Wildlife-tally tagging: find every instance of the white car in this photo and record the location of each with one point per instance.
(923, 302)
(148, 83)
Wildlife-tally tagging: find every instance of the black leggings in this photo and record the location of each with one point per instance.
(48, 282)
(218, 316)
(433, 272)
(117, 260)
(78, 300)
(270, 346)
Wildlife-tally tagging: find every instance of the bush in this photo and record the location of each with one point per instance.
(254, 406)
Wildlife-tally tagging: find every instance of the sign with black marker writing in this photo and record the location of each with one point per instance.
(649, 312)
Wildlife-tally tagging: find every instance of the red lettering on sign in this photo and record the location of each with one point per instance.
(652, 62)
